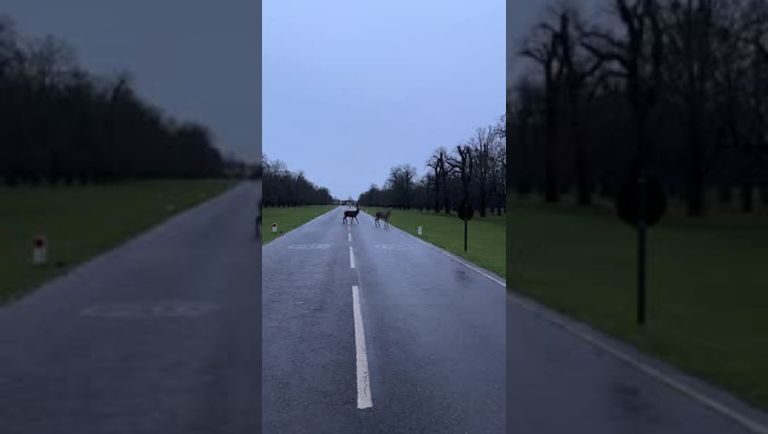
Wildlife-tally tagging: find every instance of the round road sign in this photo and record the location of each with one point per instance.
(466, 211)
(641, 199)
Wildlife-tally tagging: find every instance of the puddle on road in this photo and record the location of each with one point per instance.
(155, 310)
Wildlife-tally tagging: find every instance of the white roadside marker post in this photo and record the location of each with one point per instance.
(274, 228)
(419, 230)
(40, 250)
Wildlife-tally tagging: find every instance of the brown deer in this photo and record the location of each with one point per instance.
(351, 215)
(381, 215)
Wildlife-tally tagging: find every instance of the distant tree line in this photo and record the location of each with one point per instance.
(60, 123)
(474, 172)
(281, 187)
(676, 89)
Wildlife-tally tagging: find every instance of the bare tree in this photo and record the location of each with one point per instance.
(402, 181)
(542, 47)
(481, 147)
(463, 165)
(636, 57)
(438, 162)
(690, 33)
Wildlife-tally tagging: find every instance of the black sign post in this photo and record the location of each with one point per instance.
(641, 203)
(465, 213)
(641, 251)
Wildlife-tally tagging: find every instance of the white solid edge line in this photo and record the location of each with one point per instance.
(351, 258)
(704, 400)
(712, 404)
(364, 399)
(457, 259)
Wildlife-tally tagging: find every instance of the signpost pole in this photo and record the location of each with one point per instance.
(641, 203)
(465, 235)
(641, 273)
(465, 212)
(641, 253)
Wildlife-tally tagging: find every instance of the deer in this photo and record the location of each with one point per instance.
(351, 215)
(381, 215)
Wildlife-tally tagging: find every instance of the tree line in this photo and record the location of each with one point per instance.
(61, 123)
(673, 89)
(474, 171)
(282, 187)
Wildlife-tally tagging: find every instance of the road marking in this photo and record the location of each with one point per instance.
(350, 237)
(364, 399)
(654, 373)
(309, 246)
(391, 247)
(351, 258)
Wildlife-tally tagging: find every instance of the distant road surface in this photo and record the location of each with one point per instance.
(157, 336)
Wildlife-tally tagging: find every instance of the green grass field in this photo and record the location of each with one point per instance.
(81, 222)
(486, 236)
(288, 219)
(707, 284)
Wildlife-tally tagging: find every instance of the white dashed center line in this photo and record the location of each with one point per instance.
(364, 399)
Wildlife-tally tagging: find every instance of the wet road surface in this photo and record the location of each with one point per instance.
(157, 336)
(560, 383)
(434, 334)
(161, 336)
(442, 340)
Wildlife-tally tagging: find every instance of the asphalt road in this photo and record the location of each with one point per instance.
(448, 350)
(434, 335)
(559, 382)
(157, 336)
(364, 329)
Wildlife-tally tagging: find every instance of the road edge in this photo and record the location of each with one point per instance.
(490, 275)
(709, 395)
(713, 397)
(298, 227)
(113, 250)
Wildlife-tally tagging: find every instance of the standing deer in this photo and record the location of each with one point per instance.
(381, 215)
(351, 215)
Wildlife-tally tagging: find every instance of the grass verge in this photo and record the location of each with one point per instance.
(81, 222)
(485, 240)
(288, 219)
(707, 287)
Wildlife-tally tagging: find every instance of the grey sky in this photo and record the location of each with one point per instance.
(352, 88)
(195, 59)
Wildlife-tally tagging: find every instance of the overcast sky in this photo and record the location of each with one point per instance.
(195, 59)
(352, 88)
